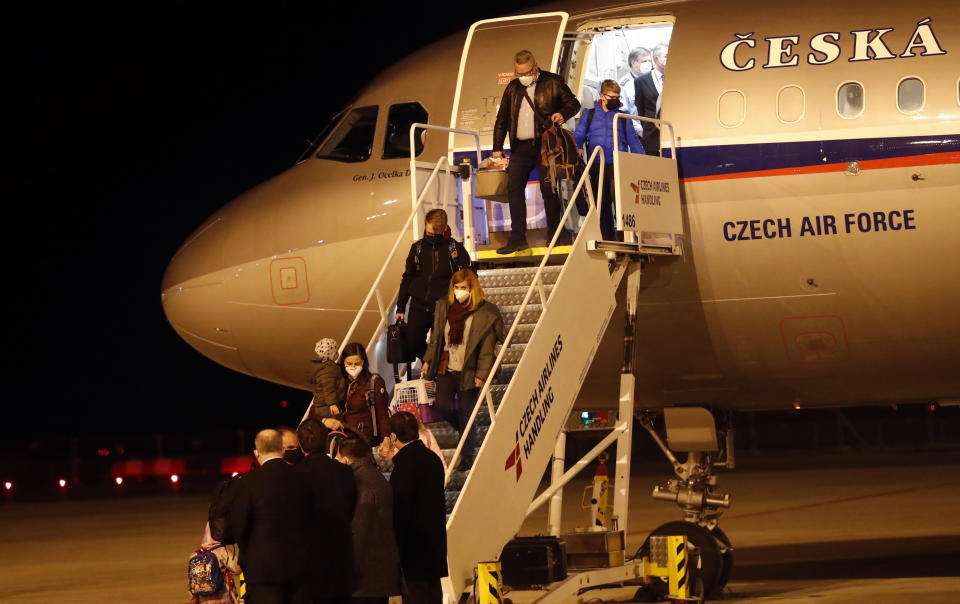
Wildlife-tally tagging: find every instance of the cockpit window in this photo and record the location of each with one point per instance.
(315, 142)
(397, 141)
(352, 138)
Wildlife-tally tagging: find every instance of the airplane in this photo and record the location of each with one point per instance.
(817, 151)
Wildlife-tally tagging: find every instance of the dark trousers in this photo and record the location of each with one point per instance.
(291, 592)
(455, 406)
(419, 321)
(382, 600)
(422, 592)
(608, 206)
(523, 159)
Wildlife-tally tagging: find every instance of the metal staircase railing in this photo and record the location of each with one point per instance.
(375, 288)
(536, 284)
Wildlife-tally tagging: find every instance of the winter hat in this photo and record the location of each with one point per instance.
(326, 349)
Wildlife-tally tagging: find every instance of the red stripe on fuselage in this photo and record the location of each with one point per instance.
(931, 159)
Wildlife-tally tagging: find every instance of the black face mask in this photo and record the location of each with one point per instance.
(437, 238)
(293, 456)
(614, 104)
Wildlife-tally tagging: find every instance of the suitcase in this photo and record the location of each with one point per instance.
(492, 185)
(396, 342)
(529, 561)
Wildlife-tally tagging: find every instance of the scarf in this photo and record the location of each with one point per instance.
(457, 318)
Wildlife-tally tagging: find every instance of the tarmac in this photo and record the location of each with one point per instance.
(827, 529)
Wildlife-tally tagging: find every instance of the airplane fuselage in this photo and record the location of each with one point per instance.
(820, 259)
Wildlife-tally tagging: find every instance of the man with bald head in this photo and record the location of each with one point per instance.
(269, 515)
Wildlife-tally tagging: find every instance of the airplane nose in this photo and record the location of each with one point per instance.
(194, 299)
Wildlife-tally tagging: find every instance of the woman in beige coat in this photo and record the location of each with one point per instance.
(466, 331)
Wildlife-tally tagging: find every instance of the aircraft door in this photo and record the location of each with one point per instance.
(486, 67)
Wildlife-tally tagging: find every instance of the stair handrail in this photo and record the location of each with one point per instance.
(535, 284)
(469, 237)
(375, 288)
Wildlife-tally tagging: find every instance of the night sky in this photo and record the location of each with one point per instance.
(125, 127)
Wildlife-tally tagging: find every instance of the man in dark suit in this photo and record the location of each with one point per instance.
(648, 89)
(550, 102)
(375, 555)
(269, 514)
(330, 577)
(419, 513)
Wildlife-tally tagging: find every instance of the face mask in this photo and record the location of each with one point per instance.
(461, 295)
(527, 79)
(645, 67)
(614, 104)
(354, 371)
(293, 455)
(437, 238)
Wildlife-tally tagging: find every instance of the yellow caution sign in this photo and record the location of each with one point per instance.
(489, 589)
(677, 567)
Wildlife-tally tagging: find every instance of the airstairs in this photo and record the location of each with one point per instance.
(557, 312)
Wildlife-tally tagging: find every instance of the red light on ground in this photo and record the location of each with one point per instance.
(174, 478)
(8, 485)
(283, 403)
(118, 480)
(933, 407)
(62, 483)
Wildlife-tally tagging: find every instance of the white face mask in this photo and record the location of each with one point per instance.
(354, 370)
(527, 80)
(461, 295)
(645, 67)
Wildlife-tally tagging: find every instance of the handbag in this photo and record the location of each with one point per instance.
(443, 363)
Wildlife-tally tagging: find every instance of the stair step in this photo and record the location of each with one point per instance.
(522, 334)
(531, 314)
(505, 374)
(513, 296)
(514, 277)
(450, 498)
(513, 354)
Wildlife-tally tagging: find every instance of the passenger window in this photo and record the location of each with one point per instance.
(910, 95)
(850, 100)
(352, 139)
(731, 108)
(397, 141)
(790, 104)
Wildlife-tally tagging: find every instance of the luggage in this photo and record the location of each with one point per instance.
(204, 577)
(396, 342)
(397, 348)
(492, 184)
(529, 561)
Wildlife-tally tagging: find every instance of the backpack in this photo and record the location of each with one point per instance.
(559, 151)
(451, 257)
(204, 577)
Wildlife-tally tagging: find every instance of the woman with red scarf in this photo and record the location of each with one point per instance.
(466, 330)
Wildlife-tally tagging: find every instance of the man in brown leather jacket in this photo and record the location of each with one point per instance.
(553, 103)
